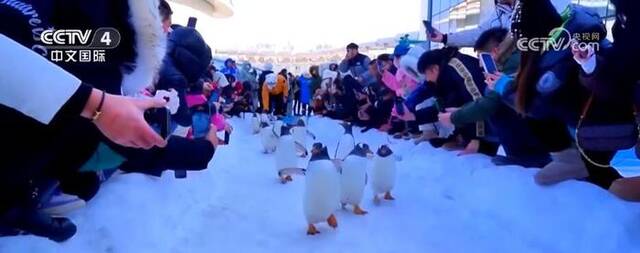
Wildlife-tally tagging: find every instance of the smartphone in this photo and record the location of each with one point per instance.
(429, 27)
(227, 137)
(192, 22)
(488, 64)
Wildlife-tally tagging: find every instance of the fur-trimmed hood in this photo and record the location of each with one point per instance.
(150, 45)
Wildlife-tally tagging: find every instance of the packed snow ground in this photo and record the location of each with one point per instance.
(444, 203)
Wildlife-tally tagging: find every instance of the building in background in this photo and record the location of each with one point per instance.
(451, 16)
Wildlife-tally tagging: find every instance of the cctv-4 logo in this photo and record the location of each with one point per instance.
(103, 38)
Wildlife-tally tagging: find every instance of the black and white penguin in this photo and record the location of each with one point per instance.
(268, 138)
(322, 189)
(346, 143)
(286, 155)
(353, 177)
(300, 132)
(383, 175)
(255, 124)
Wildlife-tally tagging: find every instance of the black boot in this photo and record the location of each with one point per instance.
(39, 224)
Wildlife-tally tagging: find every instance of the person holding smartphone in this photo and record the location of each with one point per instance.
(501, 18)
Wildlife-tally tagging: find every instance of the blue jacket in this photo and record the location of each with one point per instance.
(305, 89)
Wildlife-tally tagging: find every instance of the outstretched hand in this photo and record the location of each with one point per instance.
(122, 120)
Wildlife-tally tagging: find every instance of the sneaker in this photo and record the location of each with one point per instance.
(61, 204)
(556, 172)
(39, 224)
(566, 165)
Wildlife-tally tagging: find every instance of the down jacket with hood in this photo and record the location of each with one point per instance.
(188, 57)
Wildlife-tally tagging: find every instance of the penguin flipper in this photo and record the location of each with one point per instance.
(301, 148)
(338, 164)
(292, 171)
(313, 136)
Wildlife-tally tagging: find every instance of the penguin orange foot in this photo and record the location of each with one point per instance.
(332, 221)
(358, 211)
(312, 230)
(388, 196)
(288, 178)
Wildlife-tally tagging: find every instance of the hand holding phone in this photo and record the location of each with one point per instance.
(429, 27)
(432, 33)
(489, 66)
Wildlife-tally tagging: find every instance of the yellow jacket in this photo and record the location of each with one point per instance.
(281, 88)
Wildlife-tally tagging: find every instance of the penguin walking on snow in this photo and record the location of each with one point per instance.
(255, 123)
(346, 143)
(300, 133)
(322, 189)
(286, 155)
(383, 175)
(268, 137)
(353, 177)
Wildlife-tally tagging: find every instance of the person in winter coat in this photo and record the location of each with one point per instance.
(187, 59)
(305, 84)
(514, 132)
(612, 77)
(354, 63)
(504, 10)
(274, 94)
(58, 117)
(230, 68)
(318, 96)
(551, 90)
(268, 69)
(456, 79)
(379, 101)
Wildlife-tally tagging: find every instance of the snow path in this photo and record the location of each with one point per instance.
(443, 203)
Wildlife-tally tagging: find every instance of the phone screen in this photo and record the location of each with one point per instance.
(488, 64)
(428, 26)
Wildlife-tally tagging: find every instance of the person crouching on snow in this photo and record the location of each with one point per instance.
(274, 94)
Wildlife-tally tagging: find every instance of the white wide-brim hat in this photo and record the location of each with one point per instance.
(213, 8)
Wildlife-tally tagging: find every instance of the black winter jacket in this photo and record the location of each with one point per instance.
(188, 57)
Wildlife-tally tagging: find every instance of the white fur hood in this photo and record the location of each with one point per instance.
(150, 45)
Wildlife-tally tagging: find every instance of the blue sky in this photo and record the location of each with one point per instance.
(303, 24)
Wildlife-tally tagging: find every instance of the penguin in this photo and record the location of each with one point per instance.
(353, 177)
(255, 123)
(383, 175)
(286, 157)
(277, 125)
(322, 189)
(346, 143)
(268, 138)
(299, 132)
